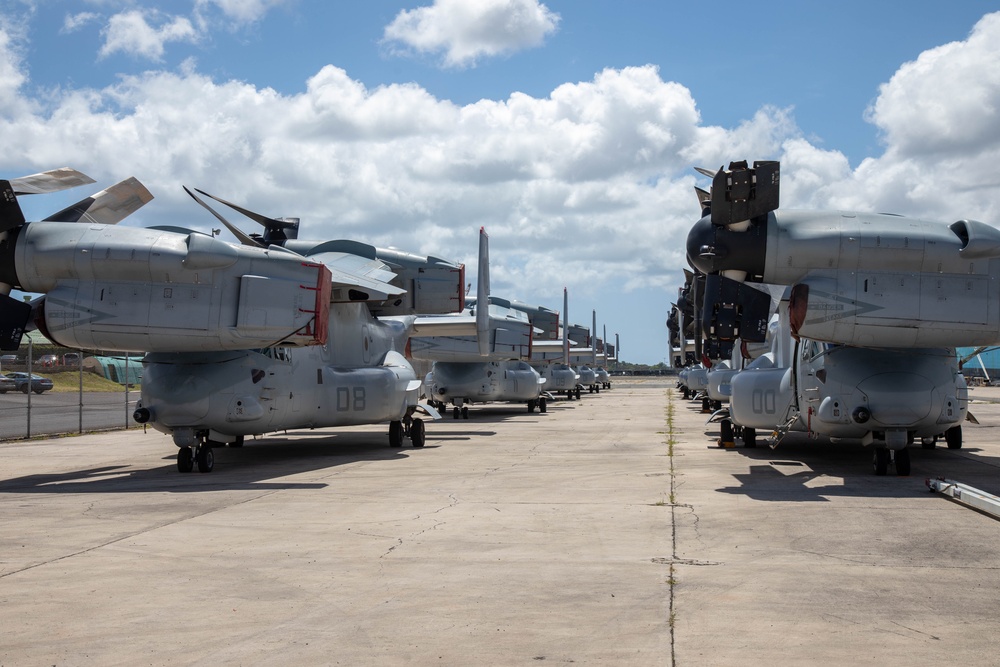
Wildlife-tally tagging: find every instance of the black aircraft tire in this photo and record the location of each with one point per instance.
(206, 458)
(417, 434)
(953, 437)
(749, 437)
(880, 461)
(542, 405)
(396, 434)
(901, 458)
(185, 459)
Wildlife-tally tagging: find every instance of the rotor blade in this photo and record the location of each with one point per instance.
(263, 220)
(49, 181)
(11, 215)
(107, 207)
(244, 238)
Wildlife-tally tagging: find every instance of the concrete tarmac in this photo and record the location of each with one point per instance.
(606, 531)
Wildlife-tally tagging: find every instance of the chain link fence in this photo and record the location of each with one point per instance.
(54, 391)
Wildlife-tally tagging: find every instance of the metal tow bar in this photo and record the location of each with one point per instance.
(967, 495)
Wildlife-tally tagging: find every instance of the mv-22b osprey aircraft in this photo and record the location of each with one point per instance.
(489, 366)
(276, 333)
(875, 306)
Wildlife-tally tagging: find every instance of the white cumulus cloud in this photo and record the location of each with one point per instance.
(467, 30)
(589, 186)
(132, 33)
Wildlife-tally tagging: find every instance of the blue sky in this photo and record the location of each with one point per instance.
(568, 128)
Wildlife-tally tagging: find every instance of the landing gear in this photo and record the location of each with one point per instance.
(901, 459)
(185, 459)
(465, 412)
(205, 457)
(726, 434)
(531, 405)
(417, 435)
(578, 393)
(201, 454)
(455, 412)
(953, 437)
(413, 429)
(542, 405)
(395, 434)
(880, 461)
(749, 437)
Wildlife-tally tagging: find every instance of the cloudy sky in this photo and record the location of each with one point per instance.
(568, 128)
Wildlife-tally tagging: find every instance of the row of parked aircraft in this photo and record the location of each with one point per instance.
(275, 332)
(832, 323)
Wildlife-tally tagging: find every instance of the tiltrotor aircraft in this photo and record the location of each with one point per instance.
(276, 333)
(876, 303)
(489, 366)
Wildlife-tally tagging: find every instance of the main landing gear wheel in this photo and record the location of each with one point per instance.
(901, 459)
(395, 434)
(953, 437)
(185, 459)
(578, 393)
(880, 460)
(542, 405)
(417, 435)
(465, 412)
(205, 457)
(749, 437)
(455, 412)
(531, 405)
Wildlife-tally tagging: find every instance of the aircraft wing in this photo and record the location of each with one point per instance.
(364, 279)
(444, 325)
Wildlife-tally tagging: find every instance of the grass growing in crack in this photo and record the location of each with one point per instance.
(672, 577)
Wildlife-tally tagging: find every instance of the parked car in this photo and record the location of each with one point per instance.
(7, 384)
(8, 358)
(49, 360)
(38, 383)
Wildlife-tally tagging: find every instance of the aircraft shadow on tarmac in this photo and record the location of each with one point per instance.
(263, 464)
(801, 469)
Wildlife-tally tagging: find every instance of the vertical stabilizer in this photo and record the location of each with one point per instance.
(593, 339)
(483, 295)
(565, 327)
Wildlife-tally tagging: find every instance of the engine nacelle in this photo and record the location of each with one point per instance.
(149, 290)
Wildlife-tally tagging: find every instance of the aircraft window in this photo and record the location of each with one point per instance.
(813, 349)
(279, 353)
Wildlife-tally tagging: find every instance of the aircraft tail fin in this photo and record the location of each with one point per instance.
(483, 295)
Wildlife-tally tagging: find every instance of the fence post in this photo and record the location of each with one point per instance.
(27, 435)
